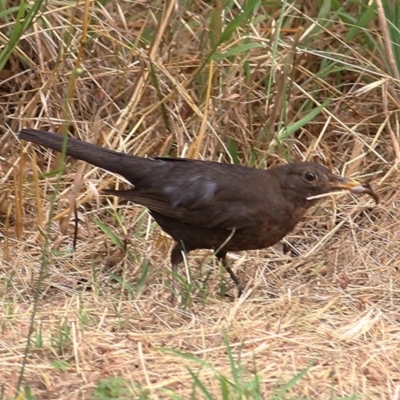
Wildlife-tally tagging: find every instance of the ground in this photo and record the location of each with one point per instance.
(258, 87)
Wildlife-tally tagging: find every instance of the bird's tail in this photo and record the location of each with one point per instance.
(99, 156)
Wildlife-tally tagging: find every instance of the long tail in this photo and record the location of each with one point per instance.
(99, 156)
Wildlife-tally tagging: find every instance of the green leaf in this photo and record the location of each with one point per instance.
(290, 130)
(247, 10)
(115, 239)
(242, 48)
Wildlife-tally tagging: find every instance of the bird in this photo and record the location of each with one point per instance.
(210, 205)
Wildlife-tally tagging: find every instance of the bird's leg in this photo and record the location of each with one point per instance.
(176, 258)
(221, 255)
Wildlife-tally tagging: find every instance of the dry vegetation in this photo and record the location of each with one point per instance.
(292, 81)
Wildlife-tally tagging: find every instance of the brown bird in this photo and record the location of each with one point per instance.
(209, 205)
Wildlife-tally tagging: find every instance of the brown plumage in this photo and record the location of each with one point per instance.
(202, 204)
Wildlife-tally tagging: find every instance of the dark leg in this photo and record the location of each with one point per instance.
(221, 255)
(176, 259)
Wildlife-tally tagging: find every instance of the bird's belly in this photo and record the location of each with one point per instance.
(196, 237)
(258, 237)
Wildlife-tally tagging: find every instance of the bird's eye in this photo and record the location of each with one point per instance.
(310, 176)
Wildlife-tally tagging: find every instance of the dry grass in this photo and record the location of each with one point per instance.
(141, 78)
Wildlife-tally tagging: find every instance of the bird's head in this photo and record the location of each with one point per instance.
(303, 181)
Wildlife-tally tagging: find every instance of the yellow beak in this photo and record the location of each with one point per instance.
(355, 186)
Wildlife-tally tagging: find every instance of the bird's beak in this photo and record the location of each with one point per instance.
(355, 186)
(346, 184)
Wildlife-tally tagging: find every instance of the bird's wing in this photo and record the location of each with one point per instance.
(224, 215)
(220, 200)
(220, 214)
